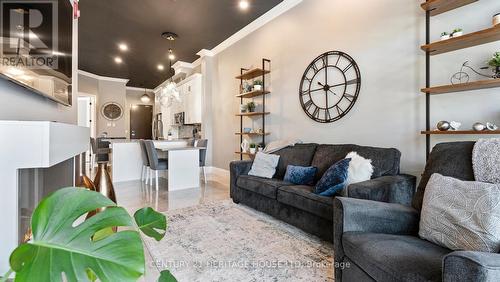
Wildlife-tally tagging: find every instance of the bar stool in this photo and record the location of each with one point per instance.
(145, 163)
(203, 155)
(155, 164)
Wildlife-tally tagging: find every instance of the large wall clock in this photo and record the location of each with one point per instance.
(330, 86)
(112, 111)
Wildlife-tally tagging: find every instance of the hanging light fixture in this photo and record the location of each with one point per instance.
(145, 98)
(170, 92)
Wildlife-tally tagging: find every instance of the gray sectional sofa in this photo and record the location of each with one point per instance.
(298, 205)
(380, 242)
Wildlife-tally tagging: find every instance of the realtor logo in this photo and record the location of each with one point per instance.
(28, 34)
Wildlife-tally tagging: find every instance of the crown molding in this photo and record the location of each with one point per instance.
(105, 78)
(139, 89)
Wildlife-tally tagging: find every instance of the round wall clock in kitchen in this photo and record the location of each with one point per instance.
(112, 111)
(330, 86)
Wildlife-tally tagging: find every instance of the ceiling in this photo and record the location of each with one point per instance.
(200, 24)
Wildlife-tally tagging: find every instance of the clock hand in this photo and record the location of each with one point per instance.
(338, 84)
(332, 92)
(316, 90)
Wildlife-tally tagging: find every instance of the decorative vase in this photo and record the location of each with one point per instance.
(257, 87)
(445, 37)
(245, 145)
(478, 126)
(103, 185)
(457, 34)
(252, 151)
(496, 19)
(443, 125)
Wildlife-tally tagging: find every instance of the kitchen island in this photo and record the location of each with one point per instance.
(183, 162)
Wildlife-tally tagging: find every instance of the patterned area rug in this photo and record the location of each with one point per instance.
(223, 241)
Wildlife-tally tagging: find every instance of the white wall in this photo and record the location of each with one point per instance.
(383, 37)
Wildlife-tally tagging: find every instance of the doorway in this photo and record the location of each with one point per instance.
(86, 112)
(141, 121)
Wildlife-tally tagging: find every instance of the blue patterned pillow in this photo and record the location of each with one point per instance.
(300, 175)
(334, 180)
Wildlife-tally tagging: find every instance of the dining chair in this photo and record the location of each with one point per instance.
(99, 151)
(155, 164)
(145, 163)
(203, 155)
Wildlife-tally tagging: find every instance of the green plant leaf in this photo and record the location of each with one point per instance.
(166, 276)
(58, 246)
(151, 223)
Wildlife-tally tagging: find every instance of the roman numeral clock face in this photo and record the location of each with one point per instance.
(330, 87)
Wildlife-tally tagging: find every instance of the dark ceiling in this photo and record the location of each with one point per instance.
(200, 24)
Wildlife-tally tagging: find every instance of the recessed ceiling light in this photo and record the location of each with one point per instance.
(123, 47)
(118, 60)
(244, 4)
(160, 67)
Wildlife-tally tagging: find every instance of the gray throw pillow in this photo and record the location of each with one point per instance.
(264, 165)
(461, 215)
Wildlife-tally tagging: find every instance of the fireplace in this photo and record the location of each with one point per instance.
(36, 158)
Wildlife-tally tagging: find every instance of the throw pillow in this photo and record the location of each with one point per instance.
(360, 169)
(300, 175)
(461, 215)
(264, 165)
(334, 180)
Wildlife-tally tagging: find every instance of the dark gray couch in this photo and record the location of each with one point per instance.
(298, 205)
(380, 240)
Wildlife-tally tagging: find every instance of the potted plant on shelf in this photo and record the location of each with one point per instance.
(253, 148)
(457, 32)
(445, 35)
(251, 107)
(494, 62)
(257, 85)
(90, 250)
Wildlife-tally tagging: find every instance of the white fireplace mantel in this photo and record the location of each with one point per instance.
(30, 144)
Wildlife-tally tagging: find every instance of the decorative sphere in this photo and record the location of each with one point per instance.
(443, 125)
(478, 126)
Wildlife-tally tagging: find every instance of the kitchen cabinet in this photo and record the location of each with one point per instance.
(191, 93)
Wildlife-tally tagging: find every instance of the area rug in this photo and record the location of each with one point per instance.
(223, 241)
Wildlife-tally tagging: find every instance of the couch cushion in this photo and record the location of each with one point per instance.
(387, 257)
(385, 161)
(302, 197)
(452, 159)
(263, 186)
(300, 155)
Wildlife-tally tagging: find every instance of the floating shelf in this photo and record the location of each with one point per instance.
(476, 85)
(245, 154)
(253, 133)
(461, 132)
(252, 114)
(252, 94)
(465, 41)
(253, 73)
(437, 7)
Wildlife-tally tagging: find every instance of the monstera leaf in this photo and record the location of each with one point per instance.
(61, 247)
(151, 223)
(166, 276)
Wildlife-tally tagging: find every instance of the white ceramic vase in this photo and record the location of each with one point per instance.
(245, 145)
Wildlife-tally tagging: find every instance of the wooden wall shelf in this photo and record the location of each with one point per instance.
(253, 73)
(461, 132)
(465, 41)
(476, 85)
(437, 7)
(252, 114)
(253, 94)
(245, 154)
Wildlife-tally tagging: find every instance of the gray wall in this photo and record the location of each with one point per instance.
(18, 103)
(383, 37)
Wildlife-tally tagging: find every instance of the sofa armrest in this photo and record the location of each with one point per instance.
(236, 169)
(471, 266)
(350, 214)
(391, 189)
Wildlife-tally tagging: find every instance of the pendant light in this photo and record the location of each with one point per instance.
(145, 98)
(170, 92)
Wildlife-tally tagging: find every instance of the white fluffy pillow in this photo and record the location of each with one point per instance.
(264, 165)
(360, 169)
